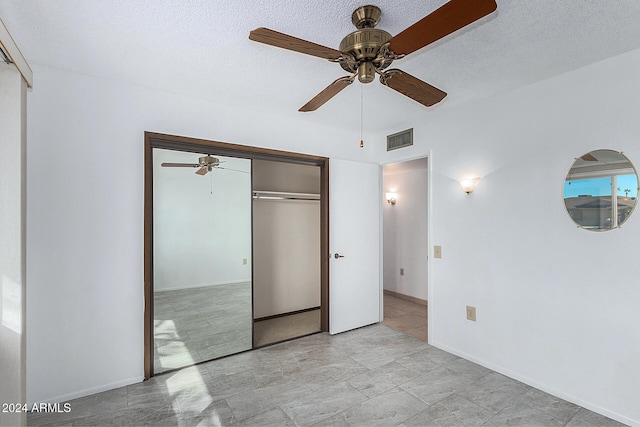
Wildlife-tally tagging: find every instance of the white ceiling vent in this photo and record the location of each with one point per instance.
(400, 140)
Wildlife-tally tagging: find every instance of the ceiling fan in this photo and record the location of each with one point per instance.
(205, 165)
(369, 51)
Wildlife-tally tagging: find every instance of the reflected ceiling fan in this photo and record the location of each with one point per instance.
(369, 51)
(205, 165)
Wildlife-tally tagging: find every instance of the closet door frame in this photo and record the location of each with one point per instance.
(181, 143)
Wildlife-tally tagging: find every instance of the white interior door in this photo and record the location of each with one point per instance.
(354, 235)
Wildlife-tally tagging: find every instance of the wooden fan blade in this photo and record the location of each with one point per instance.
(179, 165)
(274, 38)
(589, 158)
(450, 17)
(412, 87)
(203, 170)
(328, 93)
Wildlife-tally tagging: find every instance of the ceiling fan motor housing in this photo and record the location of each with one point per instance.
(364, 46)
(208, 161)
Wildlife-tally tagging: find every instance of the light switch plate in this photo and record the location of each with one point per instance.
(437, 251)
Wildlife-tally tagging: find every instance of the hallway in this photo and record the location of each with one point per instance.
(405, 316)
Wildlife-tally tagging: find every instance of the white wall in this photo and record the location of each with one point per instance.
(202, 224)
(12, 241)
(286, 177)
(286, 244)
(556, 305)
(85, 217)
(405, 228)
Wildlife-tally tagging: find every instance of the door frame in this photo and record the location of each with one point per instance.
(181, 143)
(429, 157)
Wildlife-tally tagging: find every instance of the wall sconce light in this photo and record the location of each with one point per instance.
(469, 184)
(391, 198)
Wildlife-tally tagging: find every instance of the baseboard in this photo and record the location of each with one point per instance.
(89, 391)
(289, 313)
(406, 297)
(526, 380)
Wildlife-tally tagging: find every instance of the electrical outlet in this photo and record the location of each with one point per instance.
(402, 271)
(471, 313)
(437, 251)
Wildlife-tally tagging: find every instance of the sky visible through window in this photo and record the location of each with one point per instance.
(601, 187)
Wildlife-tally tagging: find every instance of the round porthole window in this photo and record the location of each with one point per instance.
(601, 190)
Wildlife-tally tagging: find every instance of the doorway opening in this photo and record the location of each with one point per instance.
(203, 238)
(405, 246)
(286, 241)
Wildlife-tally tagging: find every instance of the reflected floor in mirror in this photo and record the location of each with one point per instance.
(198, 324)
(286, 327)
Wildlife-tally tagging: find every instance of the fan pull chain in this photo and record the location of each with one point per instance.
(361, 116)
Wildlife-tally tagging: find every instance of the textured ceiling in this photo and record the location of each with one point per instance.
(201, 48)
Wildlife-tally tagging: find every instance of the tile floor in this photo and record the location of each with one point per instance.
(286, 327)
(370, 376)
(405, 316)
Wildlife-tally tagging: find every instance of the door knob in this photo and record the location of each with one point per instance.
(337, 255)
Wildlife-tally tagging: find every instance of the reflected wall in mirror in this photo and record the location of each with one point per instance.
(600, 190)
(201, 257)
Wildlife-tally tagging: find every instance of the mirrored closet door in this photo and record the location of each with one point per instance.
(202, 297)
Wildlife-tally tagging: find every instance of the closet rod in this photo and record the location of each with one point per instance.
(282, 195)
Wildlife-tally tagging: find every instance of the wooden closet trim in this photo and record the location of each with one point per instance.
(181, 143)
